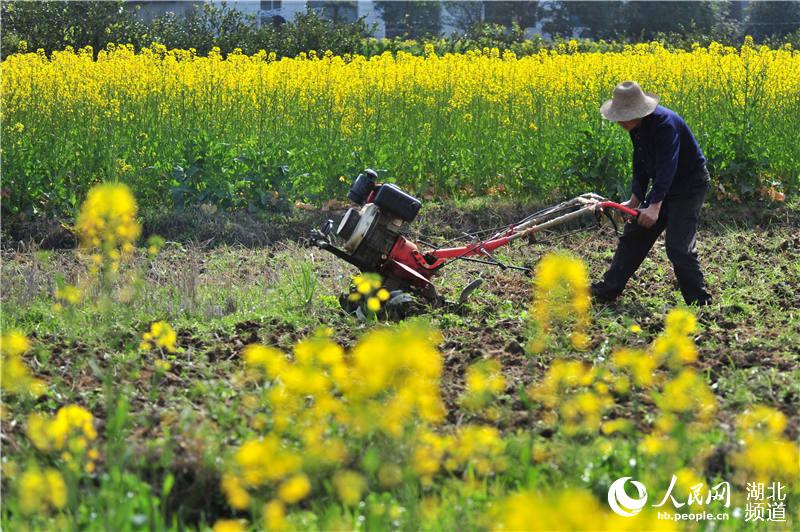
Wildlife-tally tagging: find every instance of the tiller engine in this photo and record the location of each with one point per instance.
(373, 240)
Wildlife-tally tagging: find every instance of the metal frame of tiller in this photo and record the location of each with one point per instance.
(373, 237)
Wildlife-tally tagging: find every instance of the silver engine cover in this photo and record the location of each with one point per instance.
(369, 216)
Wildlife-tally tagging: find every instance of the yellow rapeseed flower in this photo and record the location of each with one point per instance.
(107, 221)
(16, 377)
(640, 364)
(688, 392)
(367, 286)
(616, 425)
(390, 475)
(32, 491)
(160, 335)
(529, 510)
(14, 343)
(230, 525)
(561, 294)
(41, 490)
(274, 515)
(264, 460)
(349, 486)
(270, 360)
(294, 489)
(484, 380)
(57, 488)
(479, 446)
(69, 294)
(235, 492)
(766, 454)
(680, 321)
(762, 420)
(72, 424)
(374, 304)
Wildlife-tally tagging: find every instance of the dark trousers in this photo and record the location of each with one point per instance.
(679, 216)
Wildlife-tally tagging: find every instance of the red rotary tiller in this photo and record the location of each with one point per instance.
(372, 238)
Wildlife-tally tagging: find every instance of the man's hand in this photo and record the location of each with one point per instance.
(632, 203)
(648, 217)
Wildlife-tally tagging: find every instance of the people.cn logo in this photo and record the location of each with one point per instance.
(621, 503)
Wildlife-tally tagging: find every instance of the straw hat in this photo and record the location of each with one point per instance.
(629, 102)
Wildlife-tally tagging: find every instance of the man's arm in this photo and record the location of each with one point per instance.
(668, 146)
(640, 180)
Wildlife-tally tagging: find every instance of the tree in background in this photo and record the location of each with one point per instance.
(464, 15)
(336, 11)
(523, 13)
(595, 20)
(204, 27)
(411, 19)
(772, 19)
(53, 25)
(637, 20)
(643, 20)
(56, 25)
(308, 31)
(736, 10)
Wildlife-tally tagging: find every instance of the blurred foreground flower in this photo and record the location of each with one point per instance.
(40, 490)
(16, 377)
(57, 432)
(767, 455)
(349, 486)
(107, 223)
(561, 295)
(367, 287)
(66, 295)
(160, 335)
(484, 381)
(675, 344)
(294, 489)
(321, 404)
(576, 395)
(154, 245)
(230, 525)
(70, 431)
(566, 510)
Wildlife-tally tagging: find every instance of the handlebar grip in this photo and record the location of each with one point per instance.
(617, 206)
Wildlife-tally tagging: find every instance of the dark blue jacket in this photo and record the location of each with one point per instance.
(666, 153)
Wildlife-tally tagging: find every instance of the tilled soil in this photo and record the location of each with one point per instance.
(748, 340)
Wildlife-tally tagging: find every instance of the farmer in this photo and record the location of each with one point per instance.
(666, 154)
